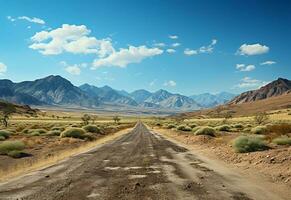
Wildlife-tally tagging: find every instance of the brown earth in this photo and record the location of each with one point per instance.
(139, 165)
(274, 164)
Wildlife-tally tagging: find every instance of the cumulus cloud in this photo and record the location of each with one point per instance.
(204, 49)
(248, 82)
(73, 69)
(252, 49)
(70, 38)
(3, 68)
(190, 52)
(269, 62)
(173, 37)
(171, 50)
(29, 19)
(123, 57)
(176, 44)
(170, 83)
(245, 68)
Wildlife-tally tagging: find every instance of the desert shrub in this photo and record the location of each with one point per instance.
(280, 129)
(206, 130)
(16, 154)
(193, 125)
(183, 128)
(2, 138)
(5, 133)
(74, 133)
(259, 130)
(223, 128)
(244, 144)
(89, 136)
(195, 129)
(283, 140)
(53, 133)
(247, 129)
(170, 126)
(7, 146)
(92, 129)
(57, 128)
(239, 126)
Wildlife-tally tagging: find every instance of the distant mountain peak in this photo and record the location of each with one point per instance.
(272, 89)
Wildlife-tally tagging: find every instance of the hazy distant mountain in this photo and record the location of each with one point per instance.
(107, 95)
(140, 95)
(51, 90)
(166, 99)
(208, 100)
(273, 89)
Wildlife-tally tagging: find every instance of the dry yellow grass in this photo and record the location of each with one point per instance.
(42, 162)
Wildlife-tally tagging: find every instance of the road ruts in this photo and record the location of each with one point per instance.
(139, 165)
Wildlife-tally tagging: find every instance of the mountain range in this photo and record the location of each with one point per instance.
(276, 88)
(58, 91)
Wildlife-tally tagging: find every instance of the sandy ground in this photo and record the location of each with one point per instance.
(139, 165)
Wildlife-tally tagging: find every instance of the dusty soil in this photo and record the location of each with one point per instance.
(44, 147)
(274, 164)
(138, 165)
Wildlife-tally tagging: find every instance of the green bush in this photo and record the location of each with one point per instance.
(259, 130)
(34, 132)
(205, 130)
(193, 125)
(5, 134)
(283, 140)
(170, 126)
(74, 133)
(92, 129)
(15, 154)
(57, 128)
(7, 146)
(223, 128)
(244, 144)
(53, 133)
(195, 129)
(239, 126)
(183, 128)
(2, 138)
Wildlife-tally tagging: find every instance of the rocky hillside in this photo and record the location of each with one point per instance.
(273, 89)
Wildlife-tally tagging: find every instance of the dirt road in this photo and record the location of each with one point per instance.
(138, 165)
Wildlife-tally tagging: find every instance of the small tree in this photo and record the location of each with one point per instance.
(94, 118)
(226, 117)
(261, 118)
(116, 119)
(6, 113)
(86, 118)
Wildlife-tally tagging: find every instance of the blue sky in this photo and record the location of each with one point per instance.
(189, 47)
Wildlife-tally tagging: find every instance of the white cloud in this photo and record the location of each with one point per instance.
(72, 39)
(269, 62)
(245, 68)
(248, 82)
(29, 19)
(32, 20)
(204, 49)
(152, 83)
(160, 44)
(176, 44)
(3, 68)
(252, 49)
(173, 37)
(123, 57)
(11, 19)
(190, 52)
(170, 83)
(74, 70)
(171, 50)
